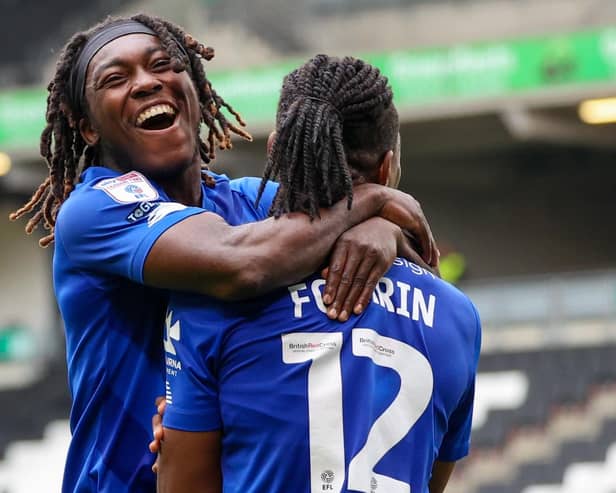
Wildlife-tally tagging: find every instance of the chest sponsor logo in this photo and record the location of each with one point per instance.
(128, 188)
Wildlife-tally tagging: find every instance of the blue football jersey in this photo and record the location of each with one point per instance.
(114, 324)
(311, 405)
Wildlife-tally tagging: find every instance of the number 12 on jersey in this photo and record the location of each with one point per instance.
(326, 430)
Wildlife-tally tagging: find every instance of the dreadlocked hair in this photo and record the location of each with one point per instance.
(63, 147)
(335, 122)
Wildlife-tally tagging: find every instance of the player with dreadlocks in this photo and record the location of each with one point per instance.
(128, 213)
(329, 146)
(381, 402)
(62, 144)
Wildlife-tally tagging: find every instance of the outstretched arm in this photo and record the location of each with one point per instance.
(204, 254)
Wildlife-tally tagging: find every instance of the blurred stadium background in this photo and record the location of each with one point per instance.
(514, 167)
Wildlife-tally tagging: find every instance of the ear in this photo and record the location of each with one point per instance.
(270, 141)
(88, 132)
(385, 168)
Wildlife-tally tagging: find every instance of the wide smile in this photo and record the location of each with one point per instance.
(156, 118)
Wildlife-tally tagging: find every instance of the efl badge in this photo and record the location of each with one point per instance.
(128, 188)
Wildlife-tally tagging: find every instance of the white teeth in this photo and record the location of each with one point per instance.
(159, 109)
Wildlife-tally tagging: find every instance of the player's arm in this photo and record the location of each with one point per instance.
(204, 254)
(441, 472)
(189, 462)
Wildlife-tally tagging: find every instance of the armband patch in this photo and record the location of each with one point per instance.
(128, 188)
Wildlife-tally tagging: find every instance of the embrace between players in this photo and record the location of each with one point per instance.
(276, 380)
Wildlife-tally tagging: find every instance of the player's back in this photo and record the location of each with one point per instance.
(308, 404)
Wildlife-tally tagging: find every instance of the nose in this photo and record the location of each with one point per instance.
(145, 83)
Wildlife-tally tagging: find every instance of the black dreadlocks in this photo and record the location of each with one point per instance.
(62, 145)
(335, 122)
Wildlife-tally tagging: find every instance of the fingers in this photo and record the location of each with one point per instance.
(377, 271)
(368, 273)
(347, 292)
(157, 425)
(334, 274)
(361, 256)
(157, 433)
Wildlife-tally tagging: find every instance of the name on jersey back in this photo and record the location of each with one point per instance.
(395, 296)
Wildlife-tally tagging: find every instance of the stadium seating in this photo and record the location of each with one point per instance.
(552, 421)
(45, 456)
(578, 477)
(34, 406)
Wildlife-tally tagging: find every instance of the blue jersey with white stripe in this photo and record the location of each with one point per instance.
(113, 323)
(310, 405)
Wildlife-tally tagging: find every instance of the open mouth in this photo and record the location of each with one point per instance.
(158, 117)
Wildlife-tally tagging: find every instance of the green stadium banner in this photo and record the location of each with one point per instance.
(465, 72)
(22, 117)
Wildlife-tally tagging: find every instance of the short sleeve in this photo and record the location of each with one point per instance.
(456, 443)
(191, 350)
(249, 188)
(114, 233)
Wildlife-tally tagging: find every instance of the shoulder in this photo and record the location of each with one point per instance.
(128, 188)
(102, 189)
(250, 185)
(106, 205)
(245, 192)
(422, 278)
(450, 301)
(455, 328)
(219, 178)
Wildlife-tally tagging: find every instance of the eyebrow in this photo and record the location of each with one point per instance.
(120, 62)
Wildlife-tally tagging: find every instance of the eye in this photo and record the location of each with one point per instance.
(161, 63)
(112, 80)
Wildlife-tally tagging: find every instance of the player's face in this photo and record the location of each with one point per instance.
(144, 115)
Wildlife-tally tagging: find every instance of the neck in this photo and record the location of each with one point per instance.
(184, 188)
(361, 177)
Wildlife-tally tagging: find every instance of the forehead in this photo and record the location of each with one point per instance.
(124, 50)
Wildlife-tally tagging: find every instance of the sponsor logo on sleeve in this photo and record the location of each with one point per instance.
(141, 211)
(128, 188)
(172, 333)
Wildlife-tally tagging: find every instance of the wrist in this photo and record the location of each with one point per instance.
(372, 195)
